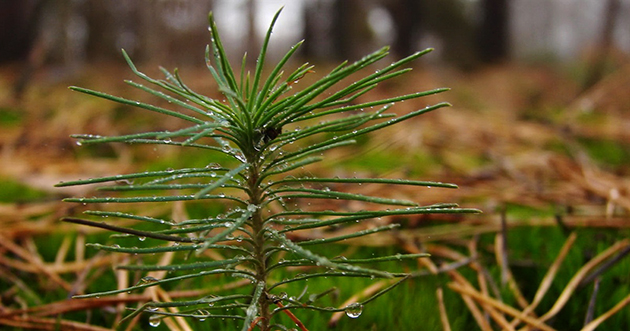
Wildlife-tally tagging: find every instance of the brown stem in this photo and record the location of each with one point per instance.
(292, 317)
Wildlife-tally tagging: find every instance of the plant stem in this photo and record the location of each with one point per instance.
(255, 198)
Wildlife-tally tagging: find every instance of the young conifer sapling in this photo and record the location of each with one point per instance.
(261, 170)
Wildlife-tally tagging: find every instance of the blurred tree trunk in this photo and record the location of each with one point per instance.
(64, 8)
(447, 20)
(316, 18)
(493, 32)
(602, 50)
(151, 34)
(310, 30)
(21, 38)
(407, 19)
(350, 33)
(19, 22)
(101, 41)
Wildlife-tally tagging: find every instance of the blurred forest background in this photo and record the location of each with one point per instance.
(466, 33)
(538, 138)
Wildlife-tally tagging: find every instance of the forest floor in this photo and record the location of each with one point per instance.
(547, 163)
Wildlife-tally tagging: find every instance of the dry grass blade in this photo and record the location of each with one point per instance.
(96, 261)
(479, 318)
(444, 268)
(474, 310)
(471, 292)
(501, 249)
(483, 275)
(40, 266)
(590, 312)
(577, 278)
(122, 280)
(411, 247)
(177, 322)
(491, 311)
(549, 276)
(605, 266)
(445, 252)
(29, 322)
(160, 295)
(79, 248)
(19, 284)
(62, 252)
(595, 323)
(499, 318)
(501, 257)
(70, 305)
(446, 326)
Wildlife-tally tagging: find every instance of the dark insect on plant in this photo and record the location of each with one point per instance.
(271, 133)
(254, 236)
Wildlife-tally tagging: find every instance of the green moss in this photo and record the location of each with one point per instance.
(13, 191)
(10, 117)
(519, 211)
(384, 161)
(606, 151)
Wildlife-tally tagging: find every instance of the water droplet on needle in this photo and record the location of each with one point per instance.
(354, 310)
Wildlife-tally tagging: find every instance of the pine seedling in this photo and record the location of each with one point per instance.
(258, 236)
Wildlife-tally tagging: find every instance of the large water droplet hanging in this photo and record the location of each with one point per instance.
(202, 315)
(354, 310)
(155, 320)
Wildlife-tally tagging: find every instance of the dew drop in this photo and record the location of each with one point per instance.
(155, 321)
(142, 238)
(202, 315)
(240, 157)
(354, 310)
